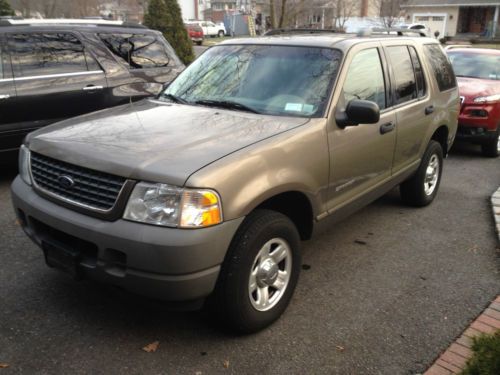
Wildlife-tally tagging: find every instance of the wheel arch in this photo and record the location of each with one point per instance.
(440, 135)
(296, 206)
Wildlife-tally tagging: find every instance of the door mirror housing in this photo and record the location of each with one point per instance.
(358, 112)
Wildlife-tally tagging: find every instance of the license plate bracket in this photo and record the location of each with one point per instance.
(62, 258)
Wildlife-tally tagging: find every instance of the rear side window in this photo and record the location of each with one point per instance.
(419, 73)
(137, 51)
(365, 78)
(47, 53)
(441, 67)
(405, 85)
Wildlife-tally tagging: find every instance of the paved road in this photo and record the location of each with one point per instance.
(386, 307)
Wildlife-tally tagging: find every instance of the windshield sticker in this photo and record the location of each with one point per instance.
(295, 107)
(308, 108)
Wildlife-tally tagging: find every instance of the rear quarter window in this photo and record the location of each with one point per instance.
(1, 62)
(139, 51)
(441, 67)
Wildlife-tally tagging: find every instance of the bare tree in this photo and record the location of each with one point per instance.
(390, 11)
(343, 10)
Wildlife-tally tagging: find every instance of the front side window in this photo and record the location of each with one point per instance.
(441, 67)
(47, 53)
(138, 51)
(275, 80)
(365, 78)
(405, 85)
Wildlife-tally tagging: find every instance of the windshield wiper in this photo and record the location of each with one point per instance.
(175, 99)
(226, 104)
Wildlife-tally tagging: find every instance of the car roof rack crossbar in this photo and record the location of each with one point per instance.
(391, 31)
(300, 31)
(19, 21)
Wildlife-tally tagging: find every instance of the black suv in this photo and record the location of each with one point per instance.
(55, 69)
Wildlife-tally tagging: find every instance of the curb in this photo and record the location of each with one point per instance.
(453, 359)
(495, 203)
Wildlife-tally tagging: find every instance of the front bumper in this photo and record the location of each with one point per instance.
(475, 134)
(165, 263)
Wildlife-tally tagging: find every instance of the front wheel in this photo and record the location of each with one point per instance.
(259, 275)
(220, 34)
(421, 189)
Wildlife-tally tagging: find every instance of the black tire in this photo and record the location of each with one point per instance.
(490, 148)
(230, 304)
(413, 191)
(199, 43)
(220, 34)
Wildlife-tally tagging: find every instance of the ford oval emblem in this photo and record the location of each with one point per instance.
(66, 182)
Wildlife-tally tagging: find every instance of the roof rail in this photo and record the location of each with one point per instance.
(19, 21)
(392, 31)
(300, 31)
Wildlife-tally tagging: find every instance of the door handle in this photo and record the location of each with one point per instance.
(386, 128)
(4, 96)
(429, 110)
(92, 88)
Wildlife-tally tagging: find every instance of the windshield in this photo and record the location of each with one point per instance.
(475, 65)
(274, 80)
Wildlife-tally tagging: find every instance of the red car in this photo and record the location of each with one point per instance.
(195, 32)
(478, 76)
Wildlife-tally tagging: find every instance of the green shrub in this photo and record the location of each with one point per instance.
(165, 16)
(5, 9)
(486, 356)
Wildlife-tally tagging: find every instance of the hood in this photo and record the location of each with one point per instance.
(472, 88)
(155, 141)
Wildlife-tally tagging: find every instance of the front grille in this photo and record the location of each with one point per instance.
(92, 189)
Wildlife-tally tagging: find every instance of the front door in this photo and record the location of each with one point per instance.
(361, 156)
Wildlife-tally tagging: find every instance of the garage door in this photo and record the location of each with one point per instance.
(434, 21)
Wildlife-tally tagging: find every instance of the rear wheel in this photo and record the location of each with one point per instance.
(220, 34)
(259, 274)
(199, 43)
(492, 147)
(421, 189)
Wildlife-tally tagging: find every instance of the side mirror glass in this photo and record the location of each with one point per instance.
(358, 112)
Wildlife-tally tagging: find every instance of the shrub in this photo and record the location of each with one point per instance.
(165, 16)
(486, 357)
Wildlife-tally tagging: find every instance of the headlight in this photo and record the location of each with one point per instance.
(488, 99)
(24, 164)
(170, 206)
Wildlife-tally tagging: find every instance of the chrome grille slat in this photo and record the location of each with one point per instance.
(92, 189)
(53, 177)
(117, 181)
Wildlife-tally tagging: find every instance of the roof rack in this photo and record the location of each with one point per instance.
(19, 21)
(300, 31)
(391, 31)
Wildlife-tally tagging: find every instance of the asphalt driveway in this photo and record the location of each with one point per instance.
(383, 292)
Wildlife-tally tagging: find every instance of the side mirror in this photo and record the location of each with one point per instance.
(358, 112)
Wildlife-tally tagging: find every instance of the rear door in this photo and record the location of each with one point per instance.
(55, 78)
(412, 103)
(10, 135)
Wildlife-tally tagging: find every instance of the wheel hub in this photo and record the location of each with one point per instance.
(267, 273)
(270, 274)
